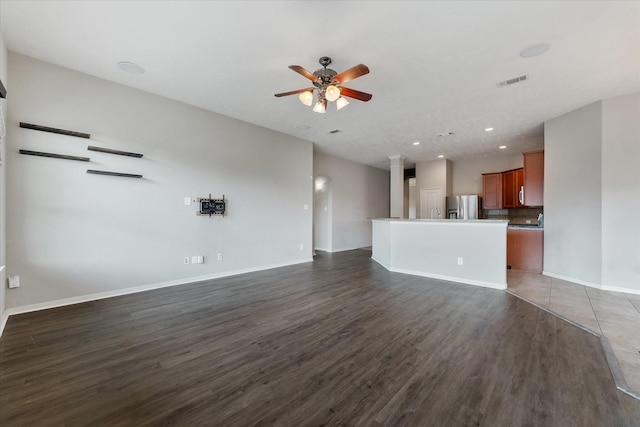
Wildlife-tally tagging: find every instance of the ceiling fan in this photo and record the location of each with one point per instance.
(328, 84)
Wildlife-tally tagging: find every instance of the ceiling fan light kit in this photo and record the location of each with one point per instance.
(328, 85)
(306, 98)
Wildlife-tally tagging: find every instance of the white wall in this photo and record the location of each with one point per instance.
(358, 193)
(71, 234)
(621, 192)
(3, 142)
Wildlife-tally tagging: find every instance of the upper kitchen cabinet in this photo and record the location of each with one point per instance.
(492, 190)
(534, 178)
(512, 182)
(520, 187)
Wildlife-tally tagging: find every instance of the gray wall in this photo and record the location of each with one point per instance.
(322, 213)
(573, 195)
(467, 173)
(432, 174)
(621, 192)
(71, 234)
(416, 247)
(357, 193)
(3, 142)
(592, 195)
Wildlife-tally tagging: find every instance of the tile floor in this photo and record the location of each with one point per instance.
(613, 315)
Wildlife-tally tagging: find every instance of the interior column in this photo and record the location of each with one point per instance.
(396, 187)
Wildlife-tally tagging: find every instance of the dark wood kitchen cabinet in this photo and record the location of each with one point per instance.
(534, 178)
(512, 182)
(519, 187)
(492, 190)
(525, 249)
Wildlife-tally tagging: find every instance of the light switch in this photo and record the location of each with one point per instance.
(14, 282)
(306, 207)
(187, 201)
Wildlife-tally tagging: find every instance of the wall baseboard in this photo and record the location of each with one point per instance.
(4, 316)
(3, 321)
(572, 280)
(125, 291)
(381, 263)
(593, 285)
(333, 251)
(452, 279)
(620, 289)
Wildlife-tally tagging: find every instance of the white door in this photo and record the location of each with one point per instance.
(431, 203)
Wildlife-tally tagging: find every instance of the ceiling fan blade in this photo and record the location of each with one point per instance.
(352, 73)
(355, 94)
(293, 92)
(306, 73)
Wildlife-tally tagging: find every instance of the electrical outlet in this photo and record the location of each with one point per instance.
(459, 261)
(186, 260)
(187, 201)
(200, 259)
(219, 256)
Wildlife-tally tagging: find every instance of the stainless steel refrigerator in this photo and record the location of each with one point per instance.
(467, 206)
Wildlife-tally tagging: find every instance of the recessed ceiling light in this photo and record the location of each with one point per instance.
(130, 67)
(416, 143)
(441, 156)
(502, 147)
(488, 129)
(535, 50)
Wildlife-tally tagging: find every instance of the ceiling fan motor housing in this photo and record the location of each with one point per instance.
(325, 76)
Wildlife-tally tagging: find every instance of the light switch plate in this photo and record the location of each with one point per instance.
(14, 282)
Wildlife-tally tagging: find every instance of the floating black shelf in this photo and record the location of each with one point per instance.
(55, 156)
(110, 151)
(126, 175)
(54, 130)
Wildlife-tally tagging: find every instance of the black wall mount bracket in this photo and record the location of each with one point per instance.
(210, 206)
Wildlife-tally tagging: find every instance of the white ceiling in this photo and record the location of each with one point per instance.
(434, 65)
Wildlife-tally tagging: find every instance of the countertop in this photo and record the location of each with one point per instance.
(525, 227)
(447, 221)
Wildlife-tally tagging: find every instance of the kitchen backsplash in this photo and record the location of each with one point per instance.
(515, 216)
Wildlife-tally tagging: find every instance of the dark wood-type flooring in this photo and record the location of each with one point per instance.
(340, 341)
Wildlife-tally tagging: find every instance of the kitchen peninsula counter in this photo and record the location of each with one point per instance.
(465, 251)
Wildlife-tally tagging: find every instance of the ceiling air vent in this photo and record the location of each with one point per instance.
(513, 81)
(334, 131)
(449, 133)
